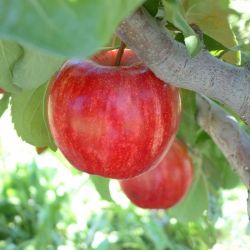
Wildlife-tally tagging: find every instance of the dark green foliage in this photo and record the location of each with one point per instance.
(152, 6)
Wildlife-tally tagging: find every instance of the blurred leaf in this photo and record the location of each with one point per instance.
(30, 222)
(104, 245)
(194, 203)
(188, 127)
(248, 229)
(8, 209)
(9, 54)
(156, 233)
(69, 28)
(193, 44)
(152, 6)
(102, 186)
(27, 110)
(4, 102)
(35, 68)
(217, 167)
(243, 47)
(216, 48)
(215, 207)
(213, 45)
(212, 18)
(175, 15)
(202, 136)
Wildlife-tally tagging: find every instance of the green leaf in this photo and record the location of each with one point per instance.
(213, 45)
(35, 68)
(188, 127)
(102, 186)
(214, 211)
(217, 168)
(155, 232)
(212, 18)
(72, 28)
(152, 6)
(4, 102)
(104, 245)
(27, 110)
(195, 203)
(243, 47)
(9, 54)
(175, 15)
(193, 44)
(216, 48)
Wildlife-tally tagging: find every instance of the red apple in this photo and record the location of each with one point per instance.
(2, 91)
(116, 122)
(166, 184)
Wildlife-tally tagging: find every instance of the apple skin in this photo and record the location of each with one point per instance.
(166, 184)
(2, 91)
(116, 122)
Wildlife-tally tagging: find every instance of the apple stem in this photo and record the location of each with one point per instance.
(120, 54)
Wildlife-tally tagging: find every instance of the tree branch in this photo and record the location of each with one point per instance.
(169, 60)
(228, 135)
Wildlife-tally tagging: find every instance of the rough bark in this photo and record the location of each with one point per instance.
(228, 135)
(170, 62)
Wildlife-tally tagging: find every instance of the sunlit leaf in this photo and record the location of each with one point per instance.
(4, 103)
(175, 15)
(72, 28)
(34, 68)
(9, 54)
(212, 18)
(27, 110)
(102, 186)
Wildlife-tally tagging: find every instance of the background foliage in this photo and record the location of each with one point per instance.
(36, 213)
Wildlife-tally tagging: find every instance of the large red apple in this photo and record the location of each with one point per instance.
(166, 184)
(116, 122)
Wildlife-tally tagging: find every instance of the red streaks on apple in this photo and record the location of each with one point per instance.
(116, 122)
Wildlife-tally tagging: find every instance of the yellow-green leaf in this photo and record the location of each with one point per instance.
(212, 17)
(175, 15)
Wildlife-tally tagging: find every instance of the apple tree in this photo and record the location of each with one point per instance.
(194, 45)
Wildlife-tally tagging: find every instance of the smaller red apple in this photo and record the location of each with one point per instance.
(166, 184)
(2, 91)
